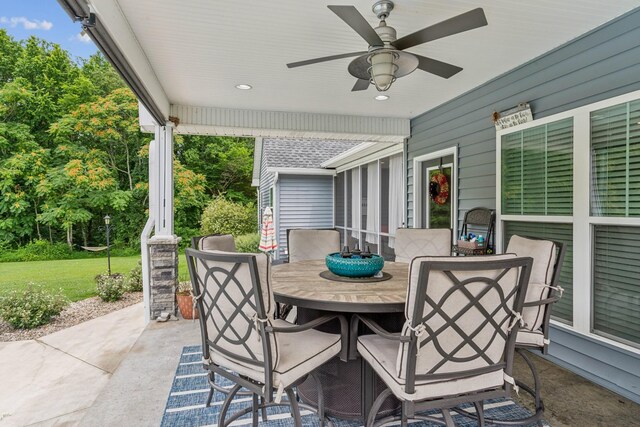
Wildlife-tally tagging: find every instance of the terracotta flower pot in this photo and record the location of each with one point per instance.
(185, 304)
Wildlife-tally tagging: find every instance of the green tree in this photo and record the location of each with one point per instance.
(9, 53)
(79, 187)
(226, 162)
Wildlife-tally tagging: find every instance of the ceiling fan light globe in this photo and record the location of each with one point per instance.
(383, 69)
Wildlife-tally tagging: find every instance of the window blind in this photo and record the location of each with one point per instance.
(563, 309)
(615, 160)
(537, 170)
(616, 282)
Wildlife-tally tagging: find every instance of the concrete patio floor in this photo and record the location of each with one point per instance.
(111, 371)
(137, 391)
(53, 380)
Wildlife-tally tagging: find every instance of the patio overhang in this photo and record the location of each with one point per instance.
(184, 60)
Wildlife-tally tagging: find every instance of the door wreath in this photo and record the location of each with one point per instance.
(439, 188)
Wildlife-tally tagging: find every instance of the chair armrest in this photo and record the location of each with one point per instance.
(344, 330)
(377, 329)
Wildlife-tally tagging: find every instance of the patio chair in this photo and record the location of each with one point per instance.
(413, 242)
(214, 242)
(480, 221)
(462, 317)
(306, 244)
(241, 340)
(542, 292)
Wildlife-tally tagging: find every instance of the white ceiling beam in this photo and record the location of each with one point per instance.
(279, 124)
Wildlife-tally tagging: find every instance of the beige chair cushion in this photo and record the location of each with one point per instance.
(312, 244)
(296, 355)
(438, 289)
(543, 253)
(413, 242)
(528, 338)
(222, 242)
(381, 354)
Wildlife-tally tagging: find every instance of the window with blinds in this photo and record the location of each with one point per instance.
(615, 160)
(537, 170)
(563, 309)
(616, 282)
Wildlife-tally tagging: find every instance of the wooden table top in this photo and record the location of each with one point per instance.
(299, 283)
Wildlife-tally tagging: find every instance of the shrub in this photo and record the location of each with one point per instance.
(248, 242)
(31, 307)
(226, 217)
(38, 250)
(110, 287)
(134, 279)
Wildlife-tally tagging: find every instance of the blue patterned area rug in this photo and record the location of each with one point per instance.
(185, 405)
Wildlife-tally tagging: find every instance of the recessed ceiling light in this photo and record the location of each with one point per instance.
(243, 86)
(381, 97)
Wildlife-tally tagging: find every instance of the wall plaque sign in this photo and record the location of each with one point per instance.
(512, 117)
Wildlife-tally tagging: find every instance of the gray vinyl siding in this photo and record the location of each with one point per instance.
(303, 202)
(599, 65)
(596, 66)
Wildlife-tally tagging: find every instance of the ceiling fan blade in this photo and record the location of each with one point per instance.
(324, 59)
(361, 84)
(436, 67)
(355, 20)
(467, 21)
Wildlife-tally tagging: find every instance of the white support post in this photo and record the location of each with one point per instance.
(164, 223)
(163, 246)
(148, 228)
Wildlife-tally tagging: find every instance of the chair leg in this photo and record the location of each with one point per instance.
(254, 413)
(448, 419)
(371, 418)
(226, 404)
(480, 413)
(536, 380)
(404, 421)
(263, 408)
(320, 392)
(293, 401)
(212, 381)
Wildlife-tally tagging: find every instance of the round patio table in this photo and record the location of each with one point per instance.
(349, 387)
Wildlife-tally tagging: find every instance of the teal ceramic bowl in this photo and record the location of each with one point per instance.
(355, 266)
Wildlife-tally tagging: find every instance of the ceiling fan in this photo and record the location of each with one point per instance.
(385, 60)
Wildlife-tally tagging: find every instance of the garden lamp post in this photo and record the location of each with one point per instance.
(107, 222)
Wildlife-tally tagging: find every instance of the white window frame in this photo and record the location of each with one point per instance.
(582, 220)
(453, 185)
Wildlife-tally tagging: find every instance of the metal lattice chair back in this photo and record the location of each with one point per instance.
(234, 298)
(460, 312)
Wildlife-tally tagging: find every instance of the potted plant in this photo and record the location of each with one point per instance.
(184, 297)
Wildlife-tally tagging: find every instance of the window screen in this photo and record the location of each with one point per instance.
(616, 282)
(537, 170)
(615, 160)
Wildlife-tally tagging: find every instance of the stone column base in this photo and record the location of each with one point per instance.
(163, 275)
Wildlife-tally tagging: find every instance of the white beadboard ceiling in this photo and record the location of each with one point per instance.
(200, 49)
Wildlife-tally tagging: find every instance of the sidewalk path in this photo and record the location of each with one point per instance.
(53, 380)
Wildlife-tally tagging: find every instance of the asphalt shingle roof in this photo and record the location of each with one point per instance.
(301, 153)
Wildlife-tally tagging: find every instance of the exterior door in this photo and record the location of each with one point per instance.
(437, 193)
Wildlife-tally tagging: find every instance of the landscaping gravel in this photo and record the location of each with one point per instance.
(76, 312)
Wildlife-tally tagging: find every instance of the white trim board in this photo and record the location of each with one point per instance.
(417, 179)
(301, 171)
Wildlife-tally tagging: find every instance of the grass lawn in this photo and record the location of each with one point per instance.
(76, 277)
